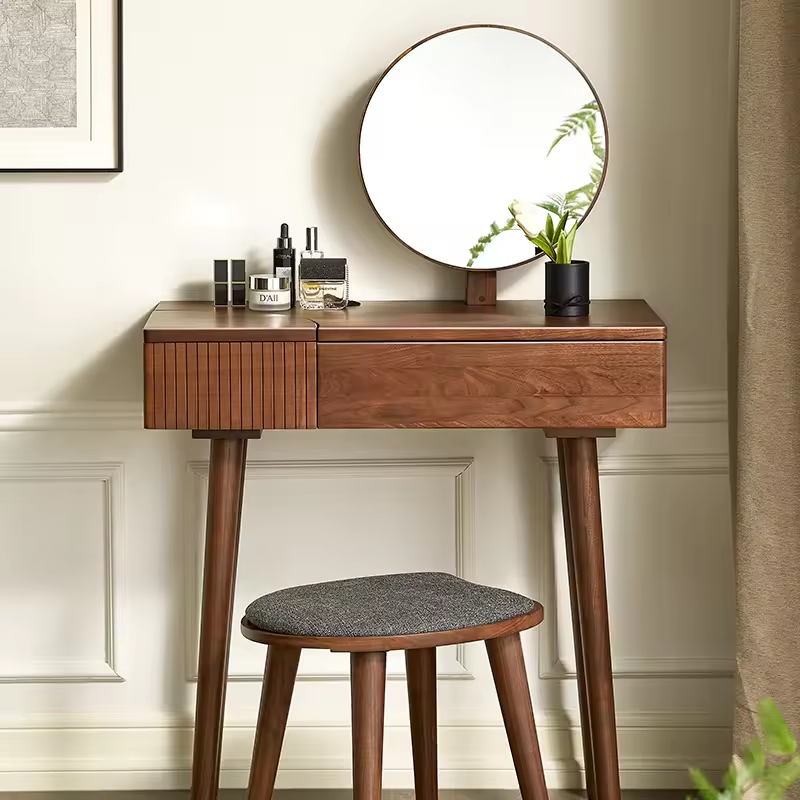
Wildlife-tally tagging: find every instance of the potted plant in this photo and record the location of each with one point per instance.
(765, 770)
(566, 282)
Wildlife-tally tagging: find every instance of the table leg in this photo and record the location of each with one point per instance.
(583, 696)
(225, 489)
(588, 587)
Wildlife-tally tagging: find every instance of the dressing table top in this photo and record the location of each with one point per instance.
(405, 321)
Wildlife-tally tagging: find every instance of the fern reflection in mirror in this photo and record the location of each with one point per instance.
(456, 131)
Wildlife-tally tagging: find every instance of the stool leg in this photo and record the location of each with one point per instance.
(276, 696)
(508, 669)
(368, 691)
(421, 671)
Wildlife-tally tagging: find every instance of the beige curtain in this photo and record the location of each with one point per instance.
(768, 446)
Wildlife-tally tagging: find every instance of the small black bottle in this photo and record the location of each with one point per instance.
(284, 257)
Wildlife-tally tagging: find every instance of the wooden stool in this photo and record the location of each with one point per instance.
(366, 617)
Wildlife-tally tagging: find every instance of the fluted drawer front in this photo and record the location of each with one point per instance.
(230, 385)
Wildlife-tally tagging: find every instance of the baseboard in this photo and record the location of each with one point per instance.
(470, 757)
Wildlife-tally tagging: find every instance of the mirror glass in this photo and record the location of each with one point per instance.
(469, 121)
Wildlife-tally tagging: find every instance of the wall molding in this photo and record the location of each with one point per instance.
(460, 470)
(550, 665)
(47, 415)
(318, 756)
(666, 464)
(79, 671)
(697, 406)
(71, 416)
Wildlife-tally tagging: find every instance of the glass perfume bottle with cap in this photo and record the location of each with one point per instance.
(323, 283)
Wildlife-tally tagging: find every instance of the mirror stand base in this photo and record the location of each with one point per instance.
(482, 288)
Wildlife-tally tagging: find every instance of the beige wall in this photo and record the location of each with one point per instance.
(242, 115)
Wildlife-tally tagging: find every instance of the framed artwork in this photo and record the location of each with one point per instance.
(60, 85)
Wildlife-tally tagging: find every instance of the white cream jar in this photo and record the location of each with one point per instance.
(268, 293)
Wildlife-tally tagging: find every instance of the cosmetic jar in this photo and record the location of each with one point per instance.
(268, 293)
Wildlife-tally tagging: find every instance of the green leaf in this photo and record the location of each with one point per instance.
(561, 224)
(494, 230)
(585, 116)
(731, 779)
(561, 253)
(778, 739)
(549, 229)
(778, 779)
(754, 759)
(541, 242)
(569, 242)
(703, 785)
(551, 207)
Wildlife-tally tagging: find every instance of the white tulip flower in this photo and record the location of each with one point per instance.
(526, 215)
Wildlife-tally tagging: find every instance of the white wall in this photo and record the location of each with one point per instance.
(242, 115)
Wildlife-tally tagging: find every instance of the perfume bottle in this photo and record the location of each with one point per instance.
(323, 283)
(312, 245)
(283, 257)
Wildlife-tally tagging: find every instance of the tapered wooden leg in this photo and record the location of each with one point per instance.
(511, 680)
(368, 688)
(421, 672)
(583, 492)
(276, 697)
(583, 697)
(225, 488)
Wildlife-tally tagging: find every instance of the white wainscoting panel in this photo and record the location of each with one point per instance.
(668, 556)
(59, 526)
(310, 521)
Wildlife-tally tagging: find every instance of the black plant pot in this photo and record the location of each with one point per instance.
(566, 289)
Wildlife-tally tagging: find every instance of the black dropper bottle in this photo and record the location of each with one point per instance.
(284, 257)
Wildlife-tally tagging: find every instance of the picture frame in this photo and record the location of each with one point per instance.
(61, 101)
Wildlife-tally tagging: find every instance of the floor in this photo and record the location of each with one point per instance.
(306, 794)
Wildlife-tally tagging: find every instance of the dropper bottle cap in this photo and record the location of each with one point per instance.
(284, 241)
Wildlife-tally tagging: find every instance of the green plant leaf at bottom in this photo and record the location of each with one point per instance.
(705, 788)
(778, 779)
(778, 739)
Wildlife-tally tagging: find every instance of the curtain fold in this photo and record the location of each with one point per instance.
(768, 392)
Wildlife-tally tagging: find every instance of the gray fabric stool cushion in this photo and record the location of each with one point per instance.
(385, 605)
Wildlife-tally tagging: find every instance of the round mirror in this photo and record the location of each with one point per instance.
(469, 122)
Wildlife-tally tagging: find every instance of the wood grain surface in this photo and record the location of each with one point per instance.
(421, 672)
(368, 697)
(367, 644)
(185, 321)
(509, 385)
(276, 697)
(580, 472)
(428, 321)
(405, 365)
(410, 321)
(230, 385)
(511, 681)
(223, 518)
(481, 288)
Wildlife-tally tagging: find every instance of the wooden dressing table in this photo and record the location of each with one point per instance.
(227, 374)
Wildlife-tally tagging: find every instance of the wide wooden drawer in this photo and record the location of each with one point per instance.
(248, 385)
(492, 385)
